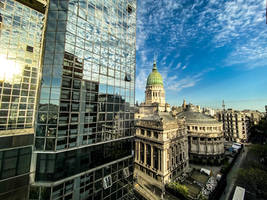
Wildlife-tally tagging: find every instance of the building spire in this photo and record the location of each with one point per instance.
(184, 104)
(155, 63)
(154, 66)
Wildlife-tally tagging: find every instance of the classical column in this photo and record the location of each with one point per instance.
(191, 144)
(198, 144)
(159, 159)
(145, 153)
(214, 145)
(206, 145)
(136, 150)
(139, 152)
(152, 154)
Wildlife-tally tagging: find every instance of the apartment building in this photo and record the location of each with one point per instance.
(235, 125)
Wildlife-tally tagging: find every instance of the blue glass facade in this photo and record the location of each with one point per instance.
(87, 90)
(85, 116)
(21, 29)
(20, 39)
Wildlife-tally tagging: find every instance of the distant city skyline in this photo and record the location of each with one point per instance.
(206, 51)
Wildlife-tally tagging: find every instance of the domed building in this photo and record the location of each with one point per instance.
(161, 146)
(154, 94)
(205, 137)
(154, 88)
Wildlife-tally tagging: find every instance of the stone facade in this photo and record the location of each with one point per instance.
(165, 139)
(155, 93)
(205, 137)
(235, 125)
(161, 144)
(161, 147)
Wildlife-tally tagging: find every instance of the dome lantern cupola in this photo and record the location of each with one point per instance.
(154, 77)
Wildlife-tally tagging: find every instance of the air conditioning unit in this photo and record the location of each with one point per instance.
(126, 172)
(107, 182)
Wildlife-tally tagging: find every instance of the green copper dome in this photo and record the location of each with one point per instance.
(154, 77)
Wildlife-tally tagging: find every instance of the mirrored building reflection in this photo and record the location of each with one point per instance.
(21, 27)
(85, 117)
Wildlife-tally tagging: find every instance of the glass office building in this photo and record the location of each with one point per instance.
(21, 27)
(85, 118)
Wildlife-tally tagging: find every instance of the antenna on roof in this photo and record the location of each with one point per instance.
(223, 105)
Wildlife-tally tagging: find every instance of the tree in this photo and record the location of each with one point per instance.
(254, 180)
(182, 189)
(260, 152)
(259, 149)
(259, 132)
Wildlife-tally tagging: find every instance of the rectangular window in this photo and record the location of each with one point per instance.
(149, 133)
(24, 164)
(10, 163)
(128, 77)
(29, 48)
(126, 172)
(107, 182)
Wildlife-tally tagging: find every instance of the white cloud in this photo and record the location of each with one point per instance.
(238, 25)
(178, 85)
(141, 79)
(234, 23)
(252, 53)
(221, 22)
(152, 16)
(178, 66)
(143, 56)
(173, 83)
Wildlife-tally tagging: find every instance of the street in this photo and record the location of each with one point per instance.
(231, 177)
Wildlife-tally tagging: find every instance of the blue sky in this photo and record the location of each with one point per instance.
(206, 50)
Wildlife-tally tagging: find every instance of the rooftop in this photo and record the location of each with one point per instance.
(159, 116)
(197, 117)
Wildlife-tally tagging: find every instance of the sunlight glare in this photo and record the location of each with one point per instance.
(10, 71)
